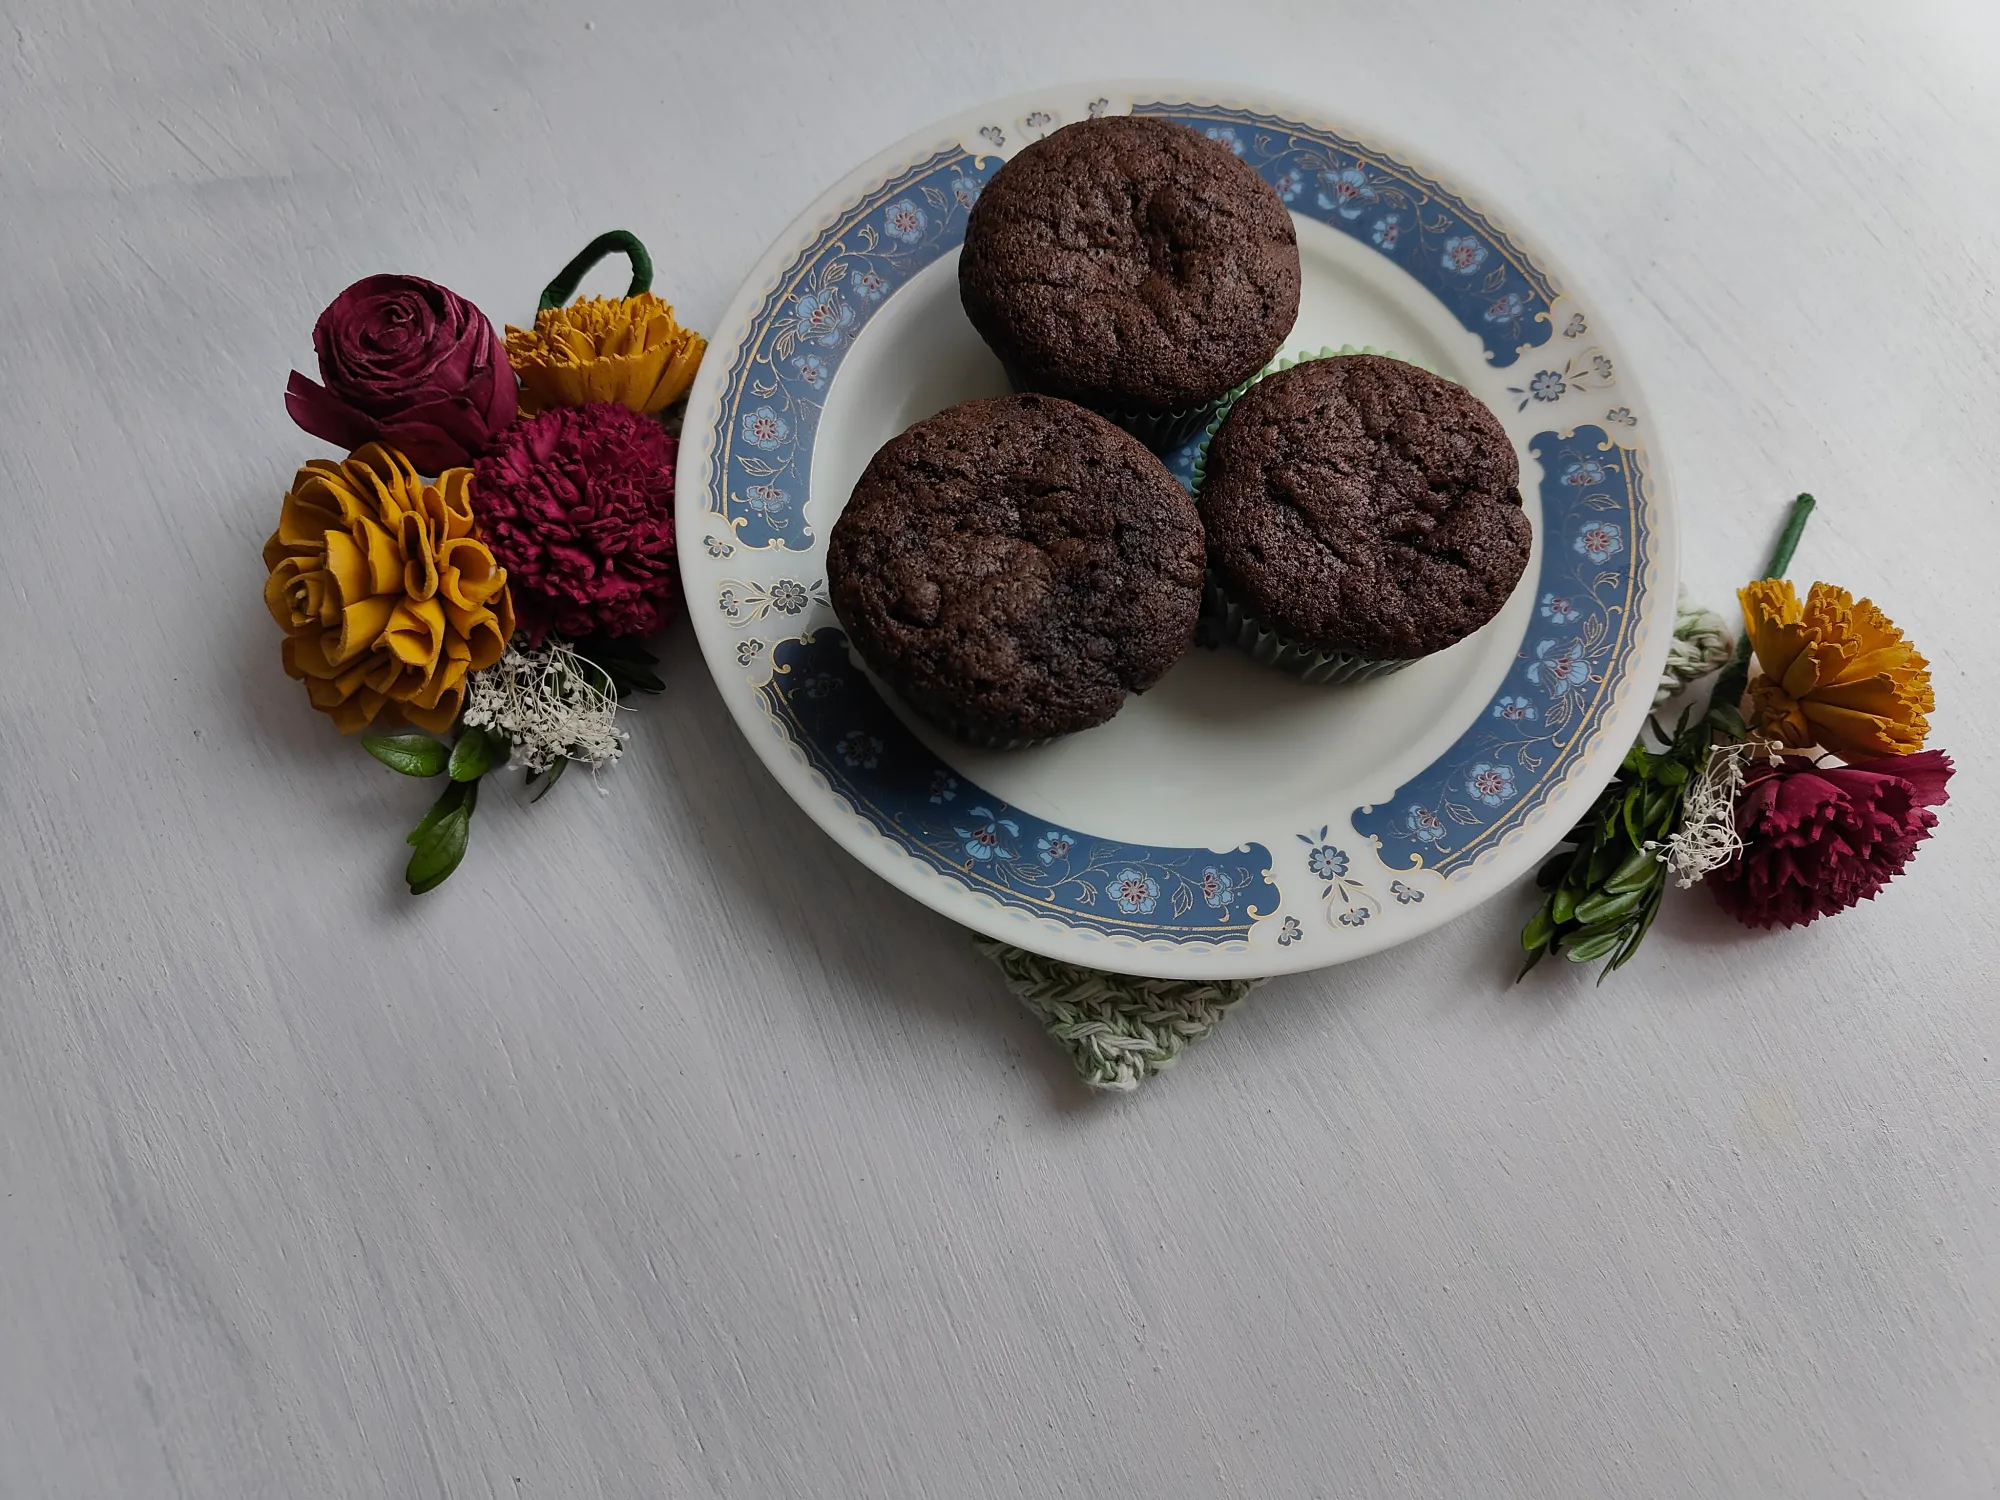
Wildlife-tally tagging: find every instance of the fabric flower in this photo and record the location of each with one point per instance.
(1836, 673)
(409, 365)
(578, 503)
(1818, 839)
(384, 589)
(627, 350)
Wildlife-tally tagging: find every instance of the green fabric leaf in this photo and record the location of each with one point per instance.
(411, 754)
(1604, 905)
(453, 795)
(442, 847)
(476, 753)
(554, 775)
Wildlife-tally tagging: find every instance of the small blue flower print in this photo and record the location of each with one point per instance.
(1405, 895)
(1559, 666)
(1135, 892)
(1348, 191)
(821, 317)
(1546, 386)
(764, 428)
(1492, 785)
(821, 685)
(903, 220)
(1388, 230)
(1327, 862)
(1356, 916)
(1218, 889)
(812, 370)
(859, 749)
(1290, 932)
(1424, 824)
(944, 787)
(1289, 183)
(965, 190)
(1583, 473)
(1513, 709)
(1222, 135)
(1507, 309)
(983, 841)
(1054, 845)
(1559, 610)
(770, 502)
(1600, 541)
(1463, 254)
(870, 286)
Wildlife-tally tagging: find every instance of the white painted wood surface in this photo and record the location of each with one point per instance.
(663, 1152)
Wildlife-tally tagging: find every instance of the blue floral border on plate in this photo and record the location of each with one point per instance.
(1508, 764)
(774, 393)
(832, 712)
(1451, 249)
(1579, 643)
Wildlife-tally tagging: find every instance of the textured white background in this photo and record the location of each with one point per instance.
(662, 1152)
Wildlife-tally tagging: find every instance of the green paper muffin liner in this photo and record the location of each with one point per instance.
(1236, 626)
(1231, 622)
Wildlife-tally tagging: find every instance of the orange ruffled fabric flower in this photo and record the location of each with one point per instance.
(625, 350)
(1836, 673)
(385, 592)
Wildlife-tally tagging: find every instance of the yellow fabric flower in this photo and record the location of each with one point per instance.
(384, 590)
(628, 350)
(1836, 673)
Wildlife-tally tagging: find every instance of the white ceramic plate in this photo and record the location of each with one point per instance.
(1233, 821)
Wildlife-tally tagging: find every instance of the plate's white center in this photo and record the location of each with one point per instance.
(1221, 743)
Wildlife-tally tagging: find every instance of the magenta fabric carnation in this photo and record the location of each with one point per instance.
(410, 365)
(1818, 839)
(578, 506)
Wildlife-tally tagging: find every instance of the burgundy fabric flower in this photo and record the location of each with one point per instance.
(409, 365)
(578, 505)
(1817, 839)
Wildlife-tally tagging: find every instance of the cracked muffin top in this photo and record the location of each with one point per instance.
(1360, 504)
(1014, 567)
(1130, 263)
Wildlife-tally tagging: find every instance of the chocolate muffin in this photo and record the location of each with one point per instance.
(1014, 567)
(1135, 266)
(1361, 513)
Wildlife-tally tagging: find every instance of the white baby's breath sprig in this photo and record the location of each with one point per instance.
(1707, 839)
(549, 704)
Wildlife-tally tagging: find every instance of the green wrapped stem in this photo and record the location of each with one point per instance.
(611, 242)
(1735, 677)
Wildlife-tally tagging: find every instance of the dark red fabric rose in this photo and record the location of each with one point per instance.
(409, 365)
(1817, 839)
(578, 505)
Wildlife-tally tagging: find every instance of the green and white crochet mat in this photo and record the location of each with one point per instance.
(1120, 1030)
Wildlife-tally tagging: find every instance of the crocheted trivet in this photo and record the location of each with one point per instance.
(1701, 645)
(1120, 1030)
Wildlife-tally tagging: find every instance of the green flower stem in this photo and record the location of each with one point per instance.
(1735, 677)
(611, 242)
